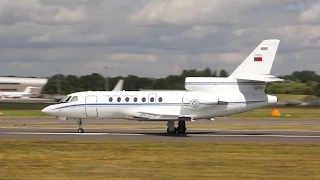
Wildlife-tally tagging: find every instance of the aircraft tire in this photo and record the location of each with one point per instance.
(80, 130)
(181, 130)
(171, 132)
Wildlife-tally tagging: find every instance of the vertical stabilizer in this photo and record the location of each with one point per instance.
(118, 86)
(260, 61)
(28, 90)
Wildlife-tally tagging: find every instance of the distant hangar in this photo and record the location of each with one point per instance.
(18, 84)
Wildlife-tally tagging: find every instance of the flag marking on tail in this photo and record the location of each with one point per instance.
(259, 59)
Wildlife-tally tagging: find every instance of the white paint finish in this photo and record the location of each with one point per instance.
(91, 110)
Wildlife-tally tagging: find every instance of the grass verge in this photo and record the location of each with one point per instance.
(150, 160)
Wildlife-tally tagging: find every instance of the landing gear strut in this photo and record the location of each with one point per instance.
(80, 130)
(181, 129)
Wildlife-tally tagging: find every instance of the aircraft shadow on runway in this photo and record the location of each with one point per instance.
(204, 133)
(172, 135)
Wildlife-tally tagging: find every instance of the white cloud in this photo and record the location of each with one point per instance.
(127, 57)
(304, 35)
(67, 35)
(195, 32)
(12, 12)
(82, 36)
(190, 12)
(312, 15)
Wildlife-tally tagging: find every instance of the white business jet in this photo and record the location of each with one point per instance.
(24, 94)
(204, 97)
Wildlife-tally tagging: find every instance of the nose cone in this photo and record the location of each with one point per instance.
(46, 110)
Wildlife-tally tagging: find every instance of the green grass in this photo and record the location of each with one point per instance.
(286, 112)
(23, 114)
(288, 97)
(151, 160)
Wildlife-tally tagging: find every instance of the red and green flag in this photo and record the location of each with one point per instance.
(257, 58)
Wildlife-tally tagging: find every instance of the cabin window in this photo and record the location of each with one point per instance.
(152, 99)
(135, 99)
(74, 98)
(119, 99)
(110, 99)
(127, 99)
(143, 99)
(160, 99)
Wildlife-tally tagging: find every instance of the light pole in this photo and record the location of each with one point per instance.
(58, 82)
(106, 82)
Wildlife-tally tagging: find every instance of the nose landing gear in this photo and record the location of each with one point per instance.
(80, 130)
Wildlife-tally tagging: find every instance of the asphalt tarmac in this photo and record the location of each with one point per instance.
(160, 135)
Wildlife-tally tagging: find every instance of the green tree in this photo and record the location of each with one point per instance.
(223, 73)
(317, 90)
(305, 76)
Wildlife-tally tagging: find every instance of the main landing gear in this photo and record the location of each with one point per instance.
(181, 129)
(80, 130)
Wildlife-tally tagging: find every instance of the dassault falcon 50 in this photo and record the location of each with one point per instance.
(203, 97)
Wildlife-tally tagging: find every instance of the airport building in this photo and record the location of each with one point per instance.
(17, 84)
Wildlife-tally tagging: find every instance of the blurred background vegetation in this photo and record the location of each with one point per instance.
(303, 82)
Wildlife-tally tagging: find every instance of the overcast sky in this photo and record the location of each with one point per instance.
(153, 38)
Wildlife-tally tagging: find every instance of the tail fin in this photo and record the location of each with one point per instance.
(28, 89)
(118, 86)
(260, 61)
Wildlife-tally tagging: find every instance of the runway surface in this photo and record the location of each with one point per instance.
(160, 135)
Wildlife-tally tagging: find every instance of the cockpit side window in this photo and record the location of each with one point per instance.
(65, 99)
(74, 98)
(68, 99)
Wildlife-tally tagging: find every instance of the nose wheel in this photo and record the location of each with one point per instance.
(80, 130)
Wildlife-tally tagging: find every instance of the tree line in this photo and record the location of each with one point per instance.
(303, 82)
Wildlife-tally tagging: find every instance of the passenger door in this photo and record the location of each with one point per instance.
(91, 106)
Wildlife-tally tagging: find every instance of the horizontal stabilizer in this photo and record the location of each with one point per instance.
(263, 78)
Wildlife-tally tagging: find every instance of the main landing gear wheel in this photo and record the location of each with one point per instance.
(172, 132)
(171, 129)
(181, 129)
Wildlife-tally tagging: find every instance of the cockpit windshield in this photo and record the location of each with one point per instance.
(63, 99)
(69, 99)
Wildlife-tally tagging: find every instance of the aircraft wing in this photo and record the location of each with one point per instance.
(145, 116)
(263, 78)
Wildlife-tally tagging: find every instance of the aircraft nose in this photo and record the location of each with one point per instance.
(46, 110)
